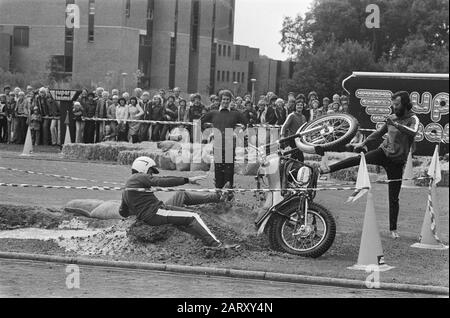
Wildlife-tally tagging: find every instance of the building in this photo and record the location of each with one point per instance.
(184, 43)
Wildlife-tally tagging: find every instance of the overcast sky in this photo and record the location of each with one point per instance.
(258, 23)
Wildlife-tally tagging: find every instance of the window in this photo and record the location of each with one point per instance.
(127, 8)
(229, 50)
(220, 49)
(228, 76)
(61, 64)
(230, 18)
(21, 36)
(150, 10)
(242, 77)
(173, 46)
(234, 76)
(237, 53)
(218, 76)
(223, 76)
(91, 20)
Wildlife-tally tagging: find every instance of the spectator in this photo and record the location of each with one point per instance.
(293, 122)
(101, 109)
(145, 130)
(311, 97)
(54, 111)
(214, 103)
(177, 94)
(35, 125)
(336, 104)
(111, 114)
(170, 114)
(239, 104)
(89, 125)
(109, 134)
(334, 108)
(224, 148)
(3, 119)
(157, 113)
(22, 112)
(250, 113)
(98, 93)
(261, 112)
(325, 103)
(40, 102)
(115, 92)
(122, 117)
(162, 94)
(138, 94)
(11, 116)
(134, 113)
(290, 105)
(78, 114)
(197, 109)
(315, 110)
(344, 104)
(270, 115)
(280, 111)
(127, 97)
(247, 98)
(182, 111)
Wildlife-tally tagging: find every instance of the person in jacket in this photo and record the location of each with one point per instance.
(111, 114)
(271, 116)
(35, 125)
(22, 113)
(392, 154)
(250, 113)
(54, 111)
(3, 119)
(280, 111)
(135, 112)
(89, 125)
(157, 113)
(78, 114)
(293, 123)
(147, 208)
(171, 114)
(145, 130)
(224, 122)
(101, 111)
(122, 117)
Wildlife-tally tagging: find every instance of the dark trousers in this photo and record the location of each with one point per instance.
(394, 170)
(89, 132)
(157, 132)
(186, 221)
(3, 129)
(46, 132)
(35, 134)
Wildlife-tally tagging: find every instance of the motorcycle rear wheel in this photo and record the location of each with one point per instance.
(285, 233)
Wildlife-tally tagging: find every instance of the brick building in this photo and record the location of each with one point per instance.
(184, 43)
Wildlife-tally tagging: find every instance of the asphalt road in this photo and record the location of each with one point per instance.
(40, 279)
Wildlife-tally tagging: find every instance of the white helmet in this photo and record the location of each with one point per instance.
(144, 164)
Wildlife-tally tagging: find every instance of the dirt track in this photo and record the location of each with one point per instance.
(412, 265)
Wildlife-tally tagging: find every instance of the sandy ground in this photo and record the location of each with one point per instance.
(411, 265)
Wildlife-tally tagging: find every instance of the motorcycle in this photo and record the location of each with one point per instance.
(293, 222)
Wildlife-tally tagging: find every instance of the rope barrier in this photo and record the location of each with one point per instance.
(138, 121)
(160, 189)
(58, 176)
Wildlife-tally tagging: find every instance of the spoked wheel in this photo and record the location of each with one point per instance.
(295, 236)
(328, 132)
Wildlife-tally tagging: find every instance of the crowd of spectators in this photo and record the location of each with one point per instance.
(36, 109)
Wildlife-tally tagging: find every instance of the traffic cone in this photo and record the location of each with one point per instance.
(429, 235)
(408, 173)
(67, 139)
(28, 145)
(370, 250)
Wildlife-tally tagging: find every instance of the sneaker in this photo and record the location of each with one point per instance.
(394, 235)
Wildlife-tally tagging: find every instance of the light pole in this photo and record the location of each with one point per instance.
(235, 88)
(253, 90)
(124, 75)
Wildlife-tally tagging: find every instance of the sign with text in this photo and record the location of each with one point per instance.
(65, 95)
(370, 103)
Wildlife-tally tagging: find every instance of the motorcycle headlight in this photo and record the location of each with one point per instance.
(304, 175)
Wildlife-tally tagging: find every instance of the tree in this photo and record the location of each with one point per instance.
(324, 69)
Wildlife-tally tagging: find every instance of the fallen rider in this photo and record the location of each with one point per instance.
(147, 208)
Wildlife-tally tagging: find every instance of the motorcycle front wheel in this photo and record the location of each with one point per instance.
(311, 239)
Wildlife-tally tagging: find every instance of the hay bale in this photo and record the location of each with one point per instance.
(144, 233)
(106, 151)
(164, 161)
(201, 157)
(82, 207)
(127, 157)
(106, 211)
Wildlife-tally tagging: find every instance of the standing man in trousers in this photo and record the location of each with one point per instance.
(392, 154)
(224, 122)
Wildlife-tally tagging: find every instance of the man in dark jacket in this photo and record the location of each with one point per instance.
(392, 154)
(224, 122)
(89, 126)
(147, 208)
